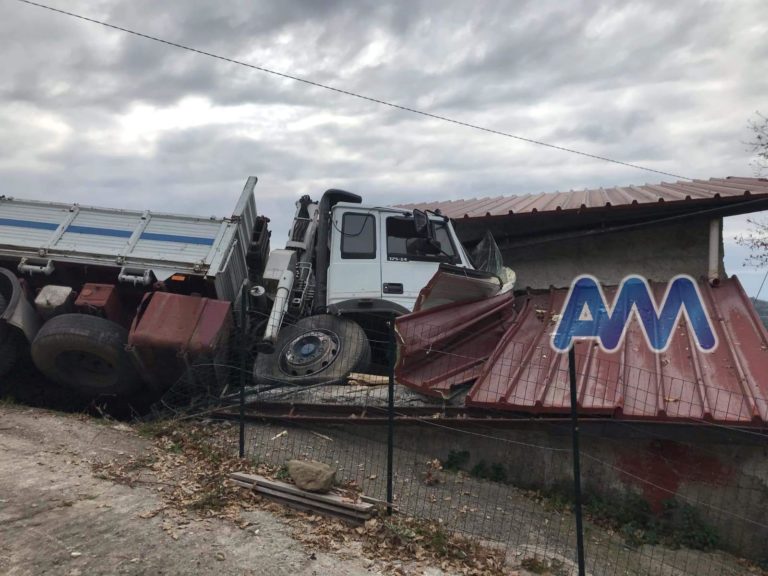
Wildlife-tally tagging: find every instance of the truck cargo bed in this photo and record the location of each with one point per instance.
(161, 243)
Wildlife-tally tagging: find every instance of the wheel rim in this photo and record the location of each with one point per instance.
(84, 367)
(309, 353)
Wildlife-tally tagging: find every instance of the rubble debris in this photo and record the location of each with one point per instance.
(359, 379)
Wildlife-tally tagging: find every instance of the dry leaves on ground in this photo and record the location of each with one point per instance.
(189, 466)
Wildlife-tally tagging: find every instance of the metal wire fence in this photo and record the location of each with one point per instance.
(673, 475)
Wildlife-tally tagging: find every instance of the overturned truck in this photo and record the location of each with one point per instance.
(117, 302)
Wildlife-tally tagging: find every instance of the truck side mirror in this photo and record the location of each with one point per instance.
(421, 224)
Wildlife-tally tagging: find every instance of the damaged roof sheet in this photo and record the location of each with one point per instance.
(730, 189)
(501, 347)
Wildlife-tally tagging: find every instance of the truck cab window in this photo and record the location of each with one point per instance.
(358, 236)
(404, 244)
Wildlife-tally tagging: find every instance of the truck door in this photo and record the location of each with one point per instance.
(354, 271)
(405, 270)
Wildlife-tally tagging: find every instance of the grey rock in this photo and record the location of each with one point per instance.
(311, 476)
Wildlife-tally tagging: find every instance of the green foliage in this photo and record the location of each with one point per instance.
(683, 527)
(559, 495)
(457, 460)
(628, 513)
(430, 535)
(498, 473)
(619, 508)
(678, 525)
(437, 540)
(480, 470)
(494, 472)
(400, 531)
(282, 473)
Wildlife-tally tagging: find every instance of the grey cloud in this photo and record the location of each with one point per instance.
(670, 85)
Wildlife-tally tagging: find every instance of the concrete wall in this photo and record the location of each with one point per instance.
(657, 253)
(724, 479)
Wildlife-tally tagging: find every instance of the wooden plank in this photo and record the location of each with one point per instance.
(360, 379)
(332, 499)
(313, 504)
(305, 503)
(312, 510)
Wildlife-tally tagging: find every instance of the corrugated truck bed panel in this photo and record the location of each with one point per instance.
(163, 243)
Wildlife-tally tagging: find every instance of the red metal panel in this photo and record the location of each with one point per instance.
(512, 366)
(180, 323)
(213, 328)
(450, 347)
(103, 297)
(665, 192)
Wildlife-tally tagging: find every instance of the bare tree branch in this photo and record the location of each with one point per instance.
(759, 143)
(756, 240)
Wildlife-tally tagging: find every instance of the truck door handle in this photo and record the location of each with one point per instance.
(390, 288)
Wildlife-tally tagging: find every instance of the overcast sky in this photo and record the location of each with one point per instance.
(93, 115)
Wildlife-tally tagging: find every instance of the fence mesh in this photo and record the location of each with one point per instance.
(682, 492)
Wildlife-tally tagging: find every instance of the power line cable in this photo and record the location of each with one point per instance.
(757, 296)
(349, 93)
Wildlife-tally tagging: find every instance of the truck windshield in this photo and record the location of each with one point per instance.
(404, 244)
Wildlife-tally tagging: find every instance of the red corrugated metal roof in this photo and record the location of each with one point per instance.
(501, 347)
(731, 188)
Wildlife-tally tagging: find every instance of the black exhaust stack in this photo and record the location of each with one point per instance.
(323, 252)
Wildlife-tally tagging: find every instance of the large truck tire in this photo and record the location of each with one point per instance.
(87, 354)
(320, 349)
(9, 343)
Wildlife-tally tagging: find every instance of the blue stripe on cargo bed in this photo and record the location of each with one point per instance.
(100, 231)
(174, 238)
(107, 232)
(28, 224)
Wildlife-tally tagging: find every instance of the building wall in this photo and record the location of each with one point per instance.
(657, 253)
(724, 479)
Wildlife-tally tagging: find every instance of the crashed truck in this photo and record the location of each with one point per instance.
(118, 302)
(121, 303)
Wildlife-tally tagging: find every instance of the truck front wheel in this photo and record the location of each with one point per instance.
(87, 354)
(321, 349)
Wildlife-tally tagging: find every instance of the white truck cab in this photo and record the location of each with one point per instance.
(377, 256)
(347, 270)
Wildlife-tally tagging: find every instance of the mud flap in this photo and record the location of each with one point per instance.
(18, 312)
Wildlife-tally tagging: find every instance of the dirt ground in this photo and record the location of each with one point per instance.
(60, 515)
(57, 517)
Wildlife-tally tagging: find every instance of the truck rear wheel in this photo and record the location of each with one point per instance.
(9, 343)
(321, 349)
(87, 354)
